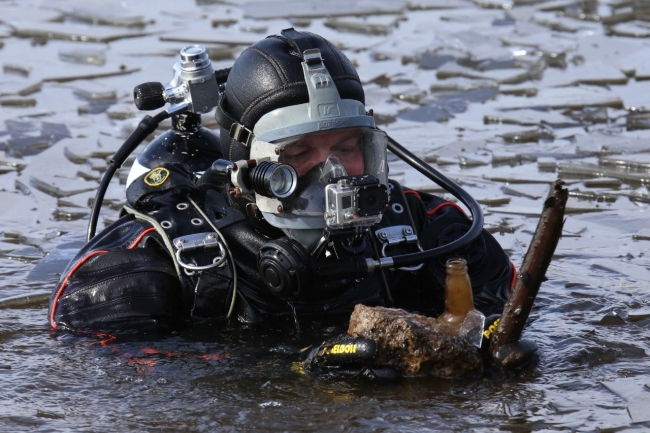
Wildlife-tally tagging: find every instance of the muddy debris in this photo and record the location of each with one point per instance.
(414, 345)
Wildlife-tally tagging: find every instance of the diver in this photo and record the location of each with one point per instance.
(296, 218)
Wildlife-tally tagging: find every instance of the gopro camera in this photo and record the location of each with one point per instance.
(355, 201)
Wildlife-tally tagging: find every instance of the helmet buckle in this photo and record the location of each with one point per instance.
(242, 134)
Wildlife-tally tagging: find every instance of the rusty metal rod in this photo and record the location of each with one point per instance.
(533, 269)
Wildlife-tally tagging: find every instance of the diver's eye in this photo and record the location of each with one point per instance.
(347, 148)
(295, 152)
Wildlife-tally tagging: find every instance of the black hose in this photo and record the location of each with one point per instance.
(221, 76)
(146, 126)
(475, 209)
(352, 269)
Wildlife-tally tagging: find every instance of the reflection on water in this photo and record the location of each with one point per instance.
(502, 97)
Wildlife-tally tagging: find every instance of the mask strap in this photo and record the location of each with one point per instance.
(298, 41)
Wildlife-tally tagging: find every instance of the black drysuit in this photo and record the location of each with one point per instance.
(132, 276)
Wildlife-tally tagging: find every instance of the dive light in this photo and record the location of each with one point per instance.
(267, 178)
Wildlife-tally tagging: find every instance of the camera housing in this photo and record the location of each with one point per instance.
(355, 201)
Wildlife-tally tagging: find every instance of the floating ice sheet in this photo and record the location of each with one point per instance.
(529, 135)
(563, 98)
(103, 18)
(629, 29)
(605, 144)
(331, 8)
(635, 272)
(437, 4)
(638, 161)
(22, 70)
(17, 102)
(51, 266)
(83, 56)
(638, 397)
(585, 171)
(592, 196)
(30, 300)
(53, 190)
(501, 76)
(363, 26)
(71, 32)
(603, 182)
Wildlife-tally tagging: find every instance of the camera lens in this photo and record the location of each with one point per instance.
(372, 200)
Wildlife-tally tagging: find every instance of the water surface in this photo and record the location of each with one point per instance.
(504, 97)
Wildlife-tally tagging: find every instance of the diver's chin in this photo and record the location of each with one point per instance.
(308, 238)
(307, 231)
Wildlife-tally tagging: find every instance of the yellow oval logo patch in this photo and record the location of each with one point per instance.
(156, 177)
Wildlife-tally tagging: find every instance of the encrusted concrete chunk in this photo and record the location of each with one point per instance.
(415, 345)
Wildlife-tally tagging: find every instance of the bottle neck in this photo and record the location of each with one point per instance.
(459, 299)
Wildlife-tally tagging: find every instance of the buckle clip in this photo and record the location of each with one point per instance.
(398, 235)
(240, 133)
(199, 241)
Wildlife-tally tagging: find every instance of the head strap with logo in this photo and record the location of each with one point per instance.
(299, 45)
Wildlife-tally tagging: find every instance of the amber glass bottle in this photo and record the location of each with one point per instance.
(459, 300)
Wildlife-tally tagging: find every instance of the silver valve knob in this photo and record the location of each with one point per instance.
(194, 58)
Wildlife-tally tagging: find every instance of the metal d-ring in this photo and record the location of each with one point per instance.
(398, 235)
(215, 262)
(189, 243)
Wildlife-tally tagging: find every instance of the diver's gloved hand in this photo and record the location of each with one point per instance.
(489, 328)
(517, 355)
(346, 357)
(513, 356)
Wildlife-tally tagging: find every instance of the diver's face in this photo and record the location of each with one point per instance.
(313, 149)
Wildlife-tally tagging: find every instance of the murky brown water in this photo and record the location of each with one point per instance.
(503, 98)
